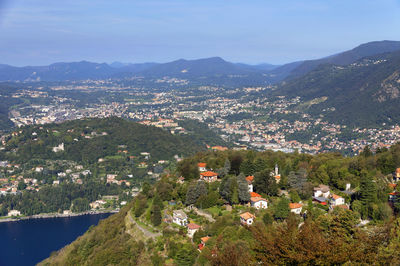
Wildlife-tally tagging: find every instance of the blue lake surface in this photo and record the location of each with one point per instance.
(28, 242)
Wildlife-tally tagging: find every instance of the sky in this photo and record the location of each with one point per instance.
(41, 32)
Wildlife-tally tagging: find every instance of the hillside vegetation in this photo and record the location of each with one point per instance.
(141, 234)
(365, 93)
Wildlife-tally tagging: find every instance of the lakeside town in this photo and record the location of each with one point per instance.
(242, 117)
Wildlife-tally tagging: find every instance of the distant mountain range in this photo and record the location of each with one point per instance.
(213, 70)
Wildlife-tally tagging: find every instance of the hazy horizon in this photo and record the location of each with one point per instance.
(42, 32)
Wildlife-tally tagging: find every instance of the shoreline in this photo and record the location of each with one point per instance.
(55, 215)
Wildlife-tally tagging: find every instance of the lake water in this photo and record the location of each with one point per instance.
(28, 242)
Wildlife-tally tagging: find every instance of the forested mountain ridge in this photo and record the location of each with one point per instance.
(364, 93)
(140, 235)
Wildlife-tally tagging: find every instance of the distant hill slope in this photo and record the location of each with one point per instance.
(196, 68)
(347, 57)
(365, 93)
(6, 101)
(85, 142)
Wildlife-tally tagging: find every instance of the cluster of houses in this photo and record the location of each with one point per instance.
(323, 195)
(111, 179)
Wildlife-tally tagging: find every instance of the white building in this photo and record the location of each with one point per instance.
(322, 191)
(259, 203)
(247, 218)
(59, 148)
(202, 167)
(296, 207)
(14, 213)
(192, 229)
(180, 218)
(249, 180)
(336, 200)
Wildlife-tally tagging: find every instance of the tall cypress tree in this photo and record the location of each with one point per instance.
(156, 215)
(243, 188)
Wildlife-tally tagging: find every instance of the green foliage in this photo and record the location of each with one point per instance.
(243, 188)
(195, 190)
(80, 205)
(264, 182)
(156, 215)
(188, 169)
(282, 209)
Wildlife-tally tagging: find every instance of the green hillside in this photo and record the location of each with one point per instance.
(141, 234)
(87, 140)
(365, 93)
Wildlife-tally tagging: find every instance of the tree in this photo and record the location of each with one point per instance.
(236, 161)
(282, 209)
(189, 169)
(156, 215)
(195, 191)
(367, 194)
(185, 256)
(264, 182)
(243, 187)
(267, 218)
(80, 205)
(225, 170)
(294, 197)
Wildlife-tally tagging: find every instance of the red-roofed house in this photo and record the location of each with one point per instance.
(336, 200)
(295, 207)
(202, 167)
(247, 218)
(192, 229)
(259, 203)
(249, 180)
(209, 176)
(203, 242)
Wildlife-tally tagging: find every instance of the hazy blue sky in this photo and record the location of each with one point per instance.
(37, 32)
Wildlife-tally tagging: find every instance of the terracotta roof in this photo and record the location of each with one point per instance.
(205, 239)
(392, 185)
(398, 170)
(247, 215)
(219, 148)
(256, 199)
(255, 195)
(295, 205)
(250, 179)
(336, 196)
(209, 173)
(193, 226)
(201, 164)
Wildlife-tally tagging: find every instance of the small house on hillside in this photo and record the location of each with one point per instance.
(336, 200)
(247, 218)
(249, 180)
(295, 207)
(203, 242)
(322, 191)
(192, 229)
(179, 217)
(209, 176)
(202, 167)
(259, 203)
(396, 175)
